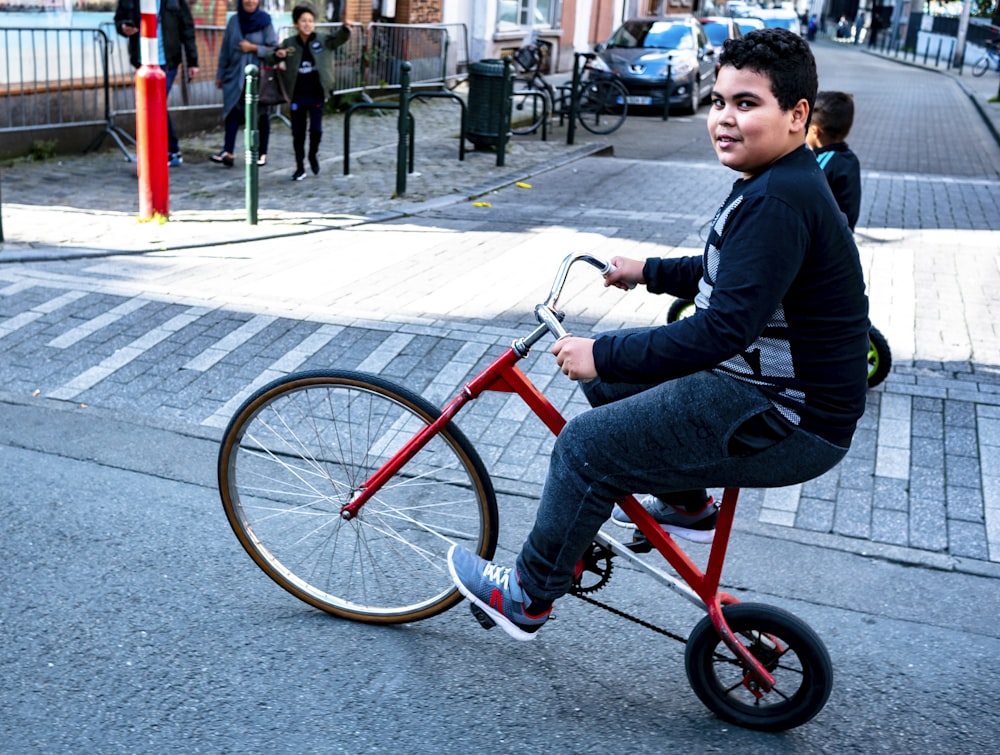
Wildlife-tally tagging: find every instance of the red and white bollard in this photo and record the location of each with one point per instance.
(151, 121)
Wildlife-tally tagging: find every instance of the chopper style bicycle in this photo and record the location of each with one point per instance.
(348, 490)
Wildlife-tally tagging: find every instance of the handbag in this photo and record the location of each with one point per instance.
(272, 86)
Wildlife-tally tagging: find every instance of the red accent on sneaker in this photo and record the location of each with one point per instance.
(699, 512)
(546, 612)
(496, 601)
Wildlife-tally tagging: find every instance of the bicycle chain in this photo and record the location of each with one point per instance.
(630, 617)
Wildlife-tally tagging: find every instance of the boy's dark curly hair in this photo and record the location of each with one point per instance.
(299, 10)
(782, 56)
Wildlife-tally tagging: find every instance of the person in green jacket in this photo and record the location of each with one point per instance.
(309, 77)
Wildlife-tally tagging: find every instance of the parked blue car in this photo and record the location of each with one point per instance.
(642, 49)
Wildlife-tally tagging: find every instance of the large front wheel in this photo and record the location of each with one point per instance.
(302, 447)
(981, 66)
(785, 646)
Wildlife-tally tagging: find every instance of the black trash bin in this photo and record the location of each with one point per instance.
(487, 102)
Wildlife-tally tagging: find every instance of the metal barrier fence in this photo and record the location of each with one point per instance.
(934, 43)
(51, 78)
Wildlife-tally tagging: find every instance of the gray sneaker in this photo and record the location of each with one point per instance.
(698, 527)
(496, 591)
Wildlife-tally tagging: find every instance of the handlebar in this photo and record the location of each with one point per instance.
(549, 318)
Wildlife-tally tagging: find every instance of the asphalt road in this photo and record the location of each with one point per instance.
(132, 622)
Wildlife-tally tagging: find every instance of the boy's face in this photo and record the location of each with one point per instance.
(749, 130)
(306, 24)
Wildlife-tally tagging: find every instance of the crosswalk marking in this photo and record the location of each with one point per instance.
(16, 287)
(126, 354)
(103, 320)
(15, 323)
(227, 344)
(282, 366)
(387, 351)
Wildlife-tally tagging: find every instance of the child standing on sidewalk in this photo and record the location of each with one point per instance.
(832, 119)
(309, 77)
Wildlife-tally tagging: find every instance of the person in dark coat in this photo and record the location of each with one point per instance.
(175, 33)
(249, 38)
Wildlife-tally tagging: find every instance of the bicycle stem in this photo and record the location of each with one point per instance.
(549, 318)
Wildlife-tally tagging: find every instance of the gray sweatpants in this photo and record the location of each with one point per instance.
(700, 431)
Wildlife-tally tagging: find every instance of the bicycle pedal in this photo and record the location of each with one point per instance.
(639, 544)
(482, 617)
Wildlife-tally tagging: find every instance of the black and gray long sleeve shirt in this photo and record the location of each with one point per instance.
(780, 299)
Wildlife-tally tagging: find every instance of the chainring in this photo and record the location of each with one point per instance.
(594, 570)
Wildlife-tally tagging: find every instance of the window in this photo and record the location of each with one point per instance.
(517, 15)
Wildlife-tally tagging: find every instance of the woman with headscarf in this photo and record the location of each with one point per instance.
(250, 37)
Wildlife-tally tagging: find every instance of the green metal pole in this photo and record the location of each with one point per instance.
(252, 138)
(574, 99)
(403, 126)
(504, 114)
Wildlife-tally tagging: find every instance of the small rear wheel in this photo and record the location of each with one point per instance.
(879, 357)
(784, 644)
(981, 66)
(301, 448)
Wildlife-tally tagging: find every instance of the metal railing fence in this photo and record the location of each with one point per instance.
(57, 77)
(52, 77)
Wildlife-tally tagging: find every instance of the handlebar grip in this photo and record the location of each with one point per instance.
(610, 268)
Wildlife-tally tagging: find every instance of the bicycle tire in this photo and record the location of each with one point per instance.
(529, 106)
(603, 105)
(879, 357)
(981, 66)
(680, 308)
(298, 449)
(802, 670)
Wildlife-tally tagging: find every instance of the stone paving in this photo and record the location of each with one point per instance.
(427, 288)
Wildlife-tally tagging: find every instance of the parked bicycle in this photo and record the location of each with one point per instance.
(348, 490)
(990, 59)
(601, 98)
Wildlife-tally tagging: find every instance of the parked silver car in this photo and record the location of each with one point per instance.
(642, 49)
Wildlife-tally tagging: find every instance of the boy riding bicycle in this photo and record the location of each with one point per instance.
(761, 387)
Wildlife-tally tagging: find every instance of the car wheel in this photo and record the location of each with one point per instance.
(694, 99)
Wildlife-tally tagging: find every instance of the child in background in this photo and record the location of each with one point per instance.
(832, 119)
(309, 77)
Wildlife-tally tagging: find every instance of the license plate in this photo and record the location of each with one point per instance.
(634, 100)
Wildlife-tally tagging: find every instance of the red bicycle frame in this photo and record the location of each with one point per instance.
(504, 376)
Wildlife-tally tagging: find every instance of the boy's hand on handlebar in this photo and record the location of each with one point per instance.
(575, 357)
(626, 273)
